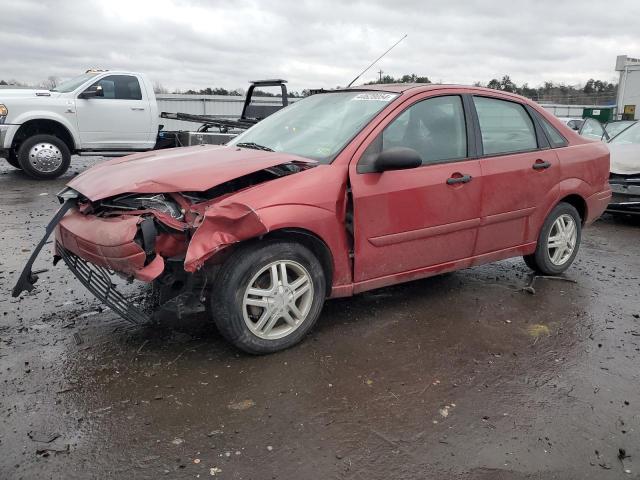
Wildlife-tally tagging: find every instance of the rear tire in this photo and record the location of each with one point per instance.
(268, 295)
(558, 242)
(44, 157)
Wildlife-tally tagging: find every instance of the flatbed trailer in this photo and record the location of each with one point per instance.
(218, 131)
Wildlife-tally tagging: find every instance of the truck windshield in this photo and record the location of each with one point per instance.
(317, 127)
(70, 85)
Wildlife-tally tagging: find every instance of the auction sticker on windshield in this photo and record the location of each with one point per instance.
(375, 96)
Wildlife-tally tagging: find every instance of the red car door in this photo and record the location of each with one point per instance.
(411, 222)
(520, 175)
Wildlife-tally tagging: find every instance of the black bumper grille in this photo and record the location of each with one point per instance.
(98, 281)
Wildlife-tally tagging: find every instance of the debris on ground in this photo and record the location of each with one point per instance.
(242, 405)
(43, 437)
(537, 330)
(532, 280)
(45, 452)
(622, 454)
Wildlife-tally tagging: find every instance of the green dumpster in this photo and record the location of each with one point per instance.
(603, 114)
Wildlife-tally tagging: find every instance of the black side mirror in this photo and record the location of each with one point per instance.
(397, 158)
(92, 92)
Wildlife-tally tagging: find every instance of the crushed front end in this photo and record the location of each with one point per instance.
(163, 239)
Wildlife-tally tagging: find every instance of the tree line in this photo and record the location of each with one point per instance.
(596, 92)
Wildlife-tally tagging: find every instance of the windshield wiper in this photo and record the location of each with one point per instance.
(255, 146)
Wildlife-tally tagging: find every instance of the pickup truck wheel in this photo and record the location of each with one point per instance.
(12, 160)
(558, 242)
(267, 296)
(44, 157)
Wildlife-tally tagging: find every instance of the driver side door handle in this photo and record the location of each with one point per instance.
(459, 179)
(541, 165)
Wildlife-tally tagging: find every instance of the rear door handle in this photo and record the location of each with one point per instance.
(541, 165)
(137, 108)
(461, 179)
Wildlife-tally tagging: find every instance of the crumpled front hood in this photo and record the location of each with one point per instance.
(190, 169)
(625, 158)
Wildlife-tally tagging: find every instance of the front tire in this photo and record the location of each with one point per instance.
(268, 295)
(44, 157)
(12, 159)
(558, 242)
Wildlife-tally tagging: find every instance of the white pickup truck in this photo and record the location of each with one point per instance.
(109, 113)
(96, 112)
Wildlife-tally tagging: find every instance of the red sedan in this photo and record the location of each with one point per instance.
(339, 193)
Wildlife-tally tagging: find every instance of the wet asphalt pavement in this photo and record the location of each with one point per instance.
(463, 375)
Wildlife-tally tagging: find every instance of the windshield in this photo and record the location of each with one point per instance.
(614, 128)
(630, 135)
(70, 85)
(317, 127)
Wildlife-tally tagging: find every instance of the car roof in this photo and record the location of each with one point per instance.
(414, 88)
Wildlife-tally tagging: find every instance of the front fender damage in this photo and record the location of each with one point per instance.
(220, 226)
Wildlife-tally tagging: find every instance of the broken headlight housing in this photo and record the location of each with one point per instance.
(158, 202)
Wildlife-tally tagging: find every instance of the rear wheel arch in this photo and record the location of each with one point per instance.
(578, 202)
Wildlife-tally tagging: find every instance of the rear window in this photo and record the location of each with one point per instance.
(555, 138)
(505, 126)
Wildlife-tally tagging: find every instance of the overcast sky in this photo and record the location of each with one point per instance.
(322, 43)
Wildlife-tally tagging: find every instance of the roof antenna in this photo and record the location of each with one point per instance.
(376, 60)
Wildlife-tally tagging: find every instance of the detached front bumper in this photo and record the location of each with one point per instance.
(97, 280)
(626, 195)
(123, 244)
(94, 249)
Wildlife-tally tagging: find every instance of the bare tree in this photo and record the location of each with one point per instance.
(159, 88)
(50, 83)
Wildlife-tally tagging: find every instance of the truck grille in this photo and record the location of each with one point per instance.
(98, 281)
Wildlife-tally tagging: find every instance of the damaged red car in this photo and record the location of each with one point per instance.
(339, 193)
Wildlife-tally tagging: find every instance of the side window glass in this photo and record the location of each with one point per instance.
(435, 128)
(505, 126)
(555, 138)
(120, 87)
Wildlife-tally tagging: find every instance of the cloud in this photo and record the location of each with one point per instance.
(200, 43)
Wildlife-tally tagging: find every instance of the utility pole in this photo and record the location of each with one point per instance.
(380, 72)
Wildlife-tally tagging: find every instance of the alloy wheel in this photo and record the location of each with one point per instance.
(562, 239)
(277, 299)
